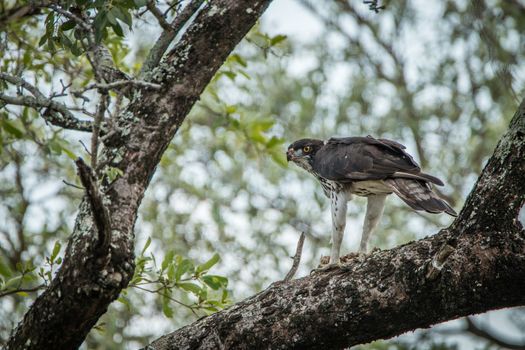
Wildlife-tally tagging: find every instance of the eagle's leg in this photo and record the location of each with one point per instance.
(338, 202)
(374, 211)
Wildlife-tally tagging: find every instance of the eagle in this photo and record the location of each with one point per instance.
(367, 167)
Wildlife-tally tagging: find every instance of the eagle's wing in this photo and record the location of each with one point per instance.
(366, 158)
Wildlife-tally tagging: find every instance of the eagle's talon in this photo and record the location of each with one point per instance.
(326, 268)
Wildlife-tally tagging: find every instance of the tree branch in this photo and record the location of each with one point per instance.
(387, 293)
(56, 113)
(167, 36)
(296, 258)
(158, 15)
(98, 209)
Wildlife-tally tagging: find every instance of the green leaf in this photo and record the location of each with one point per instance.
(237, 58)
(4, 269)
(171, 272)
(230, 109)
(279, 158)
(68, 25)
(111, 17)
(208, 264)
(146, 246)
(123, 15)
(64, 40)
(166, 308)
(224, 297)
(274, 141)
(56, 250)
(229, 74)
(22, 294)
(70, 154)
(75, 49)
(255, 134)
(100, 23)
(117, 29)
(55, 147)
(12, 129)
(140, 3)
(168, 258)
(203, 295)
(277, 39)
(15, 281)
(215, 282)
(182, 267)
(43, 40)
(123, 300)
(190, 287)
(265, 123)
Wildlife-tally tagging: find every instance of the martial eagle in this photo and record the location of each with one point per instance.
(367, 167)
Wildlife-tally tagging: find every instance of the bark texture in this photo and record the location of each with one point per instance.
(476, 265)
(89, 280)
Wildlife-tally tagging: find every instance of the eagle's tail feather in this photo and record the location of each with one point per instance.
(419, 196)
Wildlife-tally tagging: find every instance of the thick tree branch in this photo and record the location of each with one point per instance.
(462, 270)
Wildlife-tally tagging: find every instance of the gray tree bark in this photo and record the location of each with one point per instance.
(475, 265)
(90, 278)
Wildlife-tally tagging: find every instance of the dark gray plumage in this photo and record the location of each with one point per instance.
(369, 167)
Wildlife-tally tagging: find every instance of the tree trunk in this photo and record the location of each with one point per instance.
(90, 277)
(476, 265)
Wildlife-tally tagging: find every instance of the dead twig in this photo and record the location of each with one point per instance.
(296, 258)
(99, 211)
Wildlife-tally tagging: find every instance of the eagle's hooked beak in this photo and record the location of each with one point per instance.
(289, 154)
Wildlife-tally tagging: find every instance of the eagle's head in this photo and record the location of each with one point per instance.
(302, 152)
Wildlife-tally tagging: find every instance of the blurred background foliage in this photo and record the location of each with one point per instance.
(442, 77)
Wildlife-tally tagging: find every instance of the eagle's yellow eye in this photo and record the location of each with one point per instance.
(307, 149)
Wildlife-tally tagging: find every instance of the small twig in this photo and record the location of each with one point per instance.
(85, 147)
(170, 7)
(192, 309)
(99, 211)
(435, 267)
(296, 258)
(373, 6)
(156, 12)
(27, 290)
(72, 185)
(71, 16)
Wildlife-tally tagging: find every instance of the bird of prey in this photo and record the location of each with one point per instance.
(367, 167)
